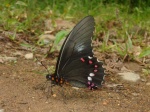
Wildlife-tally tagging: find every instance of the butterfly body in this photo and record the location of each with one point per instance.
(76, 64)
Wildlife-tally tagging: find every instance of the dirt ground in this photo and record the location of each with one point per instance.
(21, 83)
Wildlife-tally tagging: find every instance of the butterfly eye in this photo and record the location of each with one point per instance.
(48, 77)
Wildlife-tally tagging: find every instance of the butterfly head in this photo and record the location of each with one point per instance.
(49, 77)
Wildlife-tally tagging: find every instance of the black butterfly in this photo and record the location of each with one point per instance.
(76, 63)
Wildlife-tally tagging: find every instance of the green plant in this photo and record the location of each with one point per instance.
(145, 52)
(59, 36)
(28, 17)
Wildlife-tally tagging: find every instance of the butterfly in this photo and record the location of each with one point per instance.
(76, 63)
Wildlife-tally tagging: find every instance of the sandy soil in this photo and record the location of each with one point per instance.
(21, 90)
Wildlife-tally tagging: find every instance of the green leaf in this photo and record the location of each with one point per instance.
(12, 37)
(129, 42)
(145, 52)
(59, 36)
(21, 3)
(40, 42)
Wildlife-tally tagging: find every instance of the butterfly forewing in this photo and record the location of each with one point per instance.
(77, 44)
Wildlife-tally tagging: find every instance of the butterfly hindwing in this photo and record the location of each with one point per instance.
(79, 71)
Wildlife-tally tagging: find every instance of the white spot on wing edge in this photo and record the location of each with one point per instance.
(90, 57)
(91, 74)
(102, 82)
(89, 78)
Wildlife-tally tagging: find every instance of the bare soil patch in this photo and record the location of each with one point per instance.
(21, 82)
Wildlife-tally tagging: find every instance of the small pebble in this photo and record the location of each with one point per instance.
(1, 110)
(135, 94)
(130, 76)
(54, 95)
(104, 103)
(1, 61)
(29, 56)
(148, 83)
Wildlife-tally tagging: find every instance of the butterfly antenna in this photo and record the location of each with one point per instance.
(43, 65)
(48, 73)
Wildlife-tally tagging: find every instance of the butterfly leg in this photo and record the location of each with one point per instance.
(62, 92)
(51, 88)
